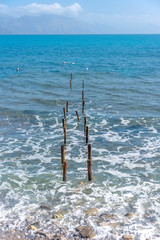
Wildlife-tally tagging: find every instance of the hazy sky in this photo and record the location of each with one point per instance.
(126, 16)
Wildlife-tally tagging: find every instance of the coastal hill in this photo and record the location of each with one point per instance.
(45, 24)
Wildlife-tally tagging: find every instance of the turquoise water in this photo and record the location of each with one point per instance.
(121, 75)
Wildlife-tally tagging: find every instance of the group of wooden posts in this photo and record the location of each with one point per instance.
(86, 131)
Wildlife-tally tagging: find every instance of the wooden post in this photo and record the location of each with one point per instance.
(67, 106)
(89, 152)
(83, 95)
(62, 154)
(64, 171)
(85, 123)
(89, 162)
(71, 84)
(89, 165)
(64, 110)
(83, 107)
(65, 135)
(63, 122)
(87, 130)
(77, 116)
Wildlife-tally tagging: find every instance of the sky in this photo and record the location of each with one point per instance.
(124, 16)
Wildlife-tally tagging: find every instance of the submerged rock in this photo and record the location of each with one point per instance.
(45, 207)
(32, 227)
(42, 234)
(127, 237)
(130, 215)
(86, 232)
(58, 215)
(92, 211)
(107, 216)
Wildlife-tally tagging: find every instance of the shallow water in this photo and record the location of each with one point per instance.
(122, 109)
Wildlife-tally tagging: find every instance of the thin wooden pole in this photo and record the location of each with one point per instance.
(71, 84)
(87, 130)
(64, 171)
(83, 106)
(89, 165)
(65, 135)
(85, 123)
(77, 116)
(89, 152)
(83, 95)
(64, 111)
(63, 123)
(67, 106)
(62, 154)
(89, 162)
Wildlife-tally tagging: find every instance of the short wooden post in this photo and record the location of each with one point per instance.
(62, 154)
(85, 123)
(83, 95)
(87, 130)
(65, 135)
(83, 107)
(64, 111)
(67, 106)
(63, 123)
(71, 84)
(89, 165)
(77, 116)
(64, 171)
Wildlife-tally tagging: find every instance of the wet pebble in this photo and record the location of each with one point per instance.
(86, 232)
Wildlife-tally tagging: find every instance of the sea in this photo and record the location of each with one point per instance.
(121, 76)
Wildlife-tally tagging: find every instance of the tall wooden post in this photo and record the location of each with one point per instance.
(63, 123)
(89, 163)
(67, 106)
(64, 111)
(85, 123)
(62, 154)
(87, 133)
(83, 95)
(64, 171)
(65, 135)
(83, 107)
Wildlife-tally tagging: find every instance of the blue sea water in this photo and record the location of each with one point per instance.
(121, 76)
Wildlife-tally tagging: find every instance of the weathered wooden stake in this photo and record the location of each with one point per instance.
(82, 95)
(85, 123)
(71, 84)
(89, 152)
(83, 107)
(62, 154)
(67, 106)
(89, 162)
(77, 116)
(89, 165)
(64, 110)
(63, 122)
(64, 171)
(87, 130)
(65, 135)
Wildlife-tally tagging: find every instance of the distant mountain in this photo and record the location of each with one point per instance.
(45, 24)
